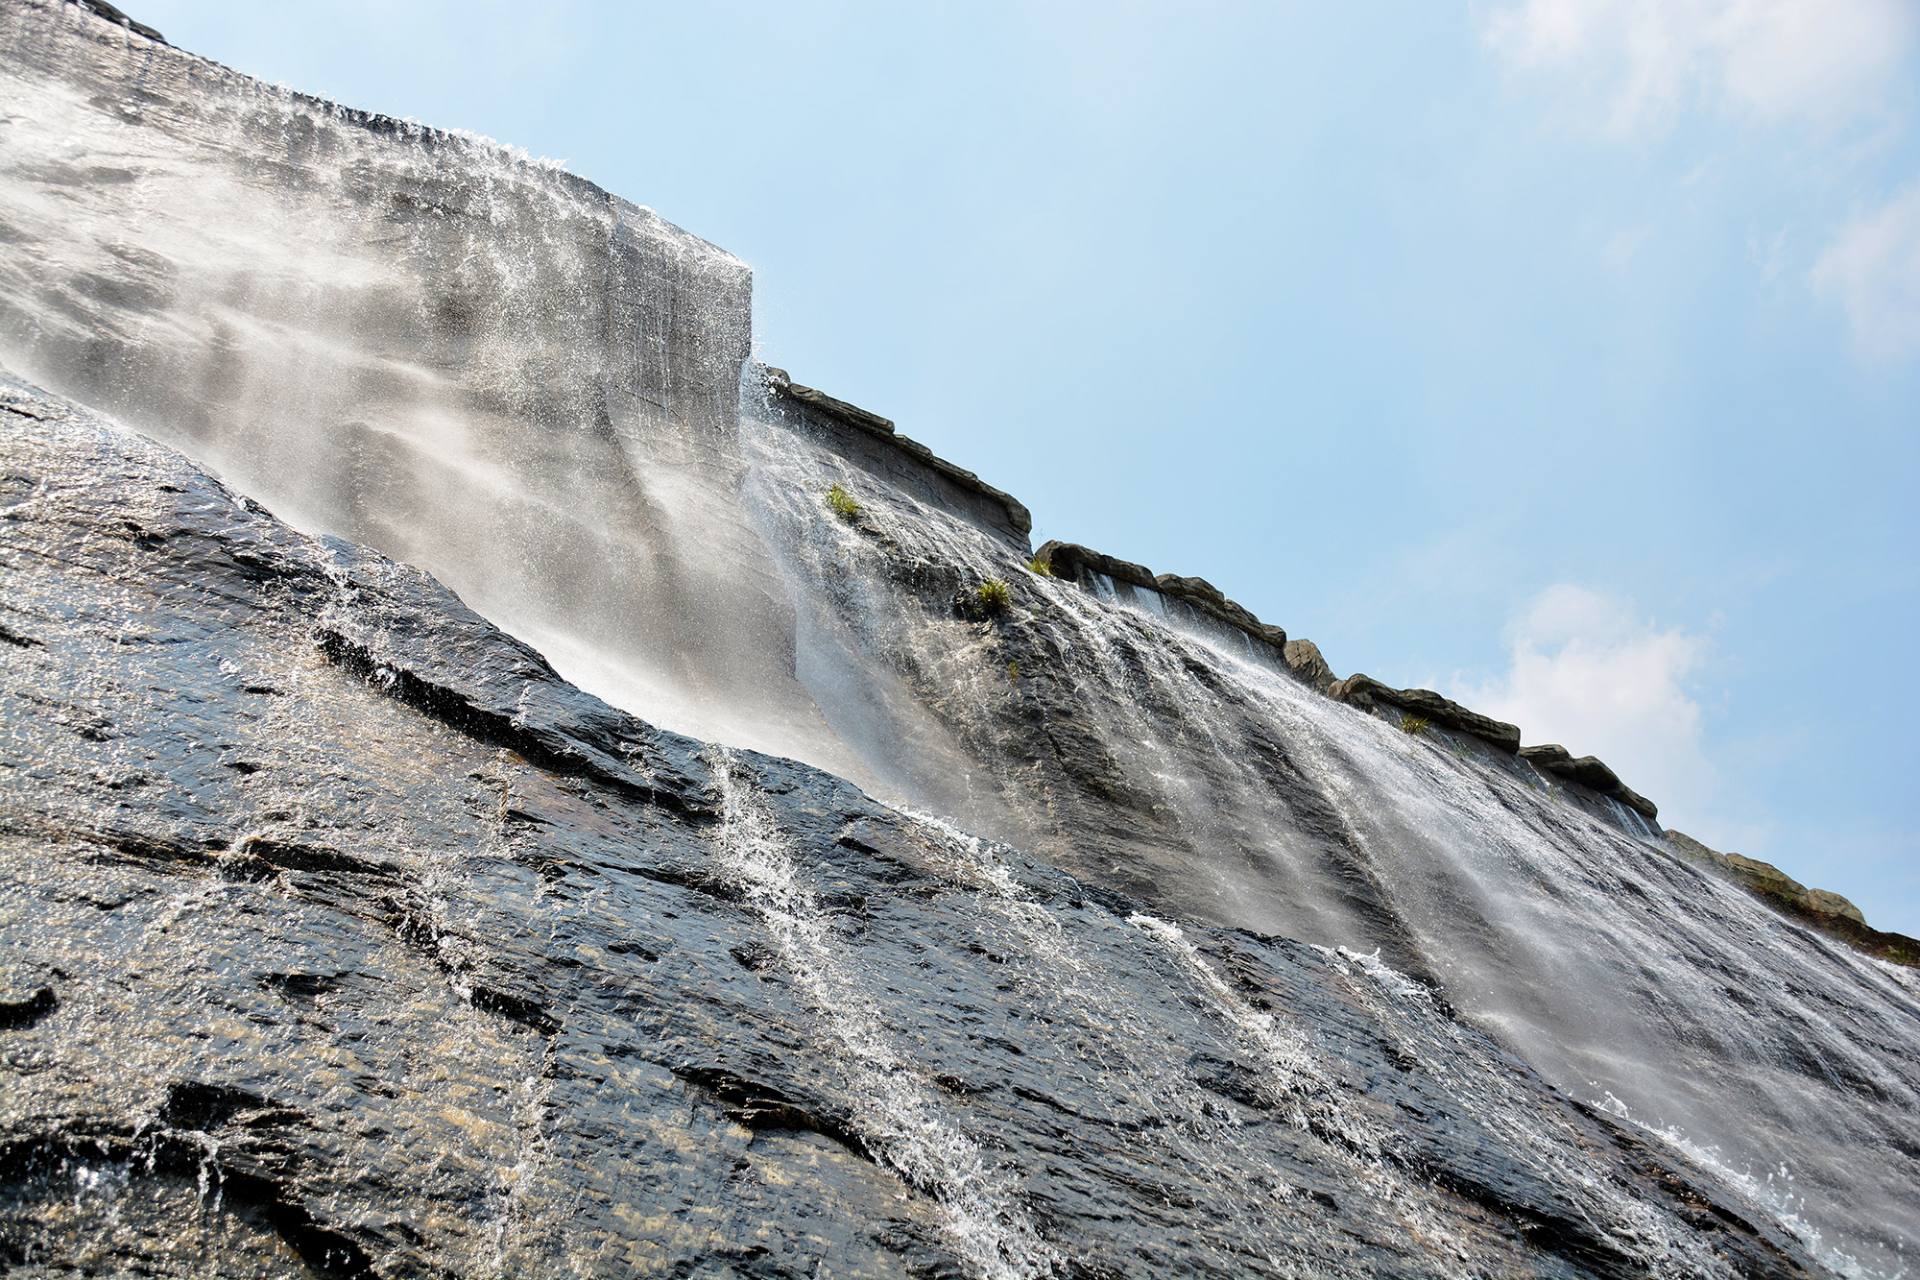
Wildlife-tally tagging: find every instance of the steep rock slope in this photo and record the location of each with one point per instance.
(476, 363)
(345, 938)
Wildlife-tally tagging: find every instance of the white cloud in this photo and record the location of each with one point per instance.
(1873, 268)
(1587, 671)
(1632, 64)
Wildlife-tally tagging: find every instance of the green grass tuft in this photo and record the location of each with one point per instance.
(842, 504)
(993, 596)
(1040, 568)
(1413, 724)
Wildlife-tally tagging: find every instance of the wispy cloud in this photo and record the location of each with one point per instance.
(1632, 65)
(1832, 81)
(1873, 268)
(1587, 670)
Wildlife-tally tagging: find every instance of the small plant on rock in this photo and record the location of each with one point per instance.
(1040, 568)
(992, 597)
(842, 504)
(1013, 669)
(1413, 724)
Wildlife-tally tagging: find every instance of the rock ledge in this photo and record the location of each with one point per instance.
(1073, 561)
(879, 428)
(1826, 911)
(1364, 691)
(1590, 772)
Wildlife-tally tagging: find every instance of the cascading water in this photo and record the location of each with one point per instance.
(1618, 970)
(482, 365)
(899, 1117)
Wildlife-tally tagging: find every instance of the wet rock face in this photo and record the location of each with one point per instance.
(413, 338)
(342, 937)
(868, 441)
(1829, 912)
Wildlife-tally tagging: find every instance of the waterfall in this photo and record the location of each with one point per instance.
(487, 367)
(1599, 957)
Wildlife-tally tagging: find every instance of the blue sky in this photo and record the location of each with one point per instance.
(1560, 354)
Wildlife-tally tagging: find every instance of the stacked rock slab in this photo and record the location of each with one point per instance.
(1073, 561)
(871, 442)
(1365, 692)
(1304, 659)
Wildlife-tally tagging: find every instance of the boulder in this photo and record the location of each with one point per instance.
(1590, 772)
(1827, 903)
(1304, 660)
(1638, 803)
(1825, 910)
(113, 14)
(1073, 561)
(1764, 876)
(1358, 690)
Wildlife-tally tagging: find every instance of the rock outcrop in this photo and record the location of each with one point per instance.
(1304, 659)
(1365, 692)
(344, 935)
(1077, 563)
(114, 15)
(344, 938)
(1825, 910)
(1589, 772)
(1082, 564)
(904, 462)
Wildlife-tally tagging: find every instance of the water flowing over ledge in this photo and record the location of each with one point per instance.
(434, 348)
